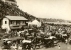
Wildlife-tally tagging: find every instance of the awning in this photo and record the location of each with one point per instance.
(19, 27)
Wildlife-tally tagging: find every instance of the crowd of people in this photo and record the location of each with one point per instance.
(36, 37)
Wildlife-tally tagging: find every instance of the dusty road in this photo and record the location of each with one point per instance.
(62, 47)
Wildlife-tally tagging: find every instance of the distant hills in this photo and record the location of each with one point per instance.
(53, 20)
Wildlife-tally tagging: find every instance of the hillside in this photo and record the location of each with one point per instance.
(7, 8)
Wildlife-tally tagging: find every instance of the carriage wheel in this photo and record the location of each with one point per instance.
(33, 47)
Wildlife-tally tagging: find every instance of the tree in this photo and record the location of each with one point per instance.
(13, 10)
(12, 0)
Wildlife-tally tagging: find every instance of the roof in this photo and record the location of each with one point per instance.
(16, 18)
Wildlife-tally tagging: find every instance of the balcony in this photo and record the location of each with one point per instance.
(17, 24)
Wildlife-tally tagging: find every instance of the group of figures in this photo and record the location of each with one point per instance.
(36, 38)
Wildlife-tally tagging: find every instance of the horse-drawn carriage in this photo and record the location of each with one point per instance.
(50, 41)
(6, 44)
(17, 43)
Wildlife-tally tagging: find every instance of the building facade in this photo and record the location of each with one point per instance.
(13, 22)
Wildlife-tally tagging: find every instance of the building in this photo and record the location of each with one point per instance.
(13, 22)
(35, 22)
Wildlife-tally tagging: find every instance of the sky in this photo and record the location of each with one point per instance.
(59, 9)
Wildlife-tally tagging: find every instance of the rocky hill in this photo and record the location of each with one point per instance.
(10, 8)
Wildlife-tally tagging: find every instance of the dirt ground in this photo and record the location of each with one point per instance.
(61, 46)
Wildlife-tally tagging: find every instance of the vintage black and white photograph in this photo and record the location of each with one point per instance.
(35, 24)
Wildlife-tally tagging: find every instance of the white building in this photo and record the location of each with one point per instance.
(35, 22)
(12, 22)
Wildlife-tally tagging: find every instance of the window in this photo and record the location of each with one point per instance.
(17, 22)
(21, 22)
(10, 22)
(5, 22)
(14, 22)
